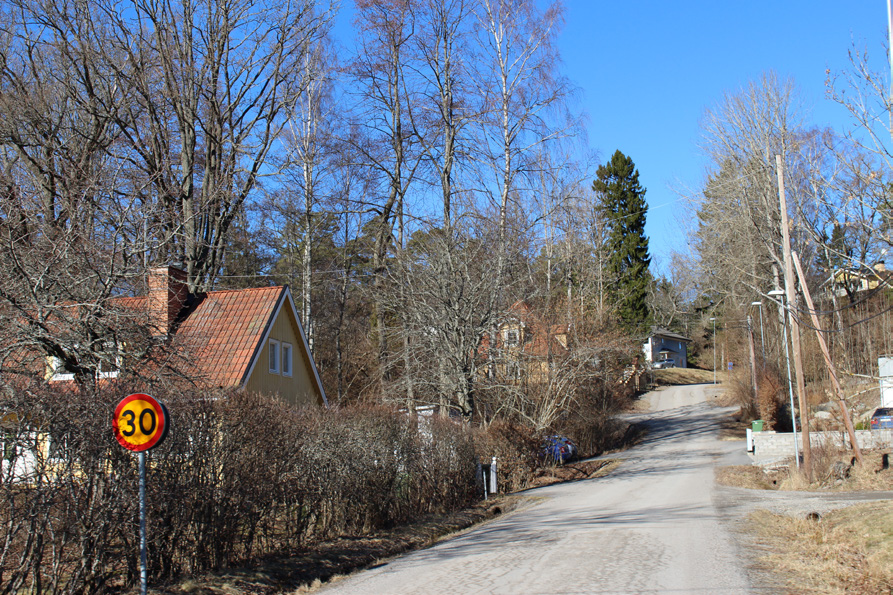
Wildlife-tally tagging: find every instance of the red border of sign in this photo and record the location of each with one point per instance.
(160, 430)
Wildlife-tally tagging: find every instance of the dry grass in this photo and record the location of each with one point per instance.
(868, 477)
(574, 472)
(744, 476)
(846, 551)
(843, 478)
(675, 376)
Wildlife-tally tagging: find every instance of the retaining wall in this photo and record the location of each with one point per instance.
(774, 446)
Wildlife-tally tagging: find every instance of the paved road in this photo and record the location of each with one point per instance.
(650, 527)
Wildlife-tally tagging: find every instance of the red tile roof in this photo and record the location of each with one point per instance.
(221, 335)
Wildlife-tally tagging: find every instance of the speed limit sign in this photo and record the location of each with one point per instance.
(140, 422)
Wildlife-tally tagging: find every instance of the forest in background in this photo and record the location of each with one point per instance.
(411, 191)
(415, 190)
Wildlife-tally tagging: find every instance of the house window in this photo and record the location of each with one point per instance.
(511, 337)
(58, 445)
(111, 360)
(7, 445)
(286, 359)
(57, 370)
(274, 356)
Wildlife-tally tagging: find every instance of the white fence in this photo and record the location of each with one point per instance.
(769, 447)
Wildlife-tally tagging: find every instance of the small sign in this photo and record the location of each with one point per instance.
(140, 422)
(730, 366)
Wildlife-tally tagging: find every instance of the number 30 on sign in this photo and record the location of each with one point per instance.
(140, 422)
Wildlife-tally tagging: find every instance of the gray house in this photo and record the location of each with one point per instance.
(665, 345)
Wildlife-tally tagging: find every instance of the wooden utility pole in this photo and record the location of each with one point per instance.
(791, 297)
(831, 369)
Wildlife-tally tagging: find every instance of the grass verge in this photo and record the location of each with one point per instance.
(575, 471)
(846, 551)
(675, 376)
(832, 471)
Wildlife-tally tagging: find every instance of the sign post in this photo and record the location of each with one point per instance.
(141, 423)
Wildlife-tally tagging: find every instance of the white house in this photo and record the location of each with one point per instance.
(664, 345)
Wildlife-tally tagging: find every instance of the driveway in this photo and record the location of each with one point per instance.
(650, 527)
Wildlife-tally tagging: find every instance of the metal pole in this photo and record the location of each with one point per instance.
(762, 342)
(714, 349)
(144, 573)
(787, 358)
(753, 361)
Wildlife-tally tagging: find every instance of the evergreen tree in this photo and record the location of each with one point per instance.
(622, 200)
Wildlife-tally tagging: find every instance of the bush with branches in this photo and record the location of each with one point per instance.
(240, 476)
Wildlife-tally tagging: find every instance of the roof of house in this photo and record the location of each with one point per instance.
(223, 333)
(662, 332)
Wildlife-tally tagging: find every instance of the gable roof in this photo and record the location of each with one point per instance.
(662, 332)
(223, 332)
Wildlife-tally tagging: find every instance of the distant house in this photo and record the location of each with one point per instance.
(249, 339)
(525, 345)
(663, 345)
(851, 281)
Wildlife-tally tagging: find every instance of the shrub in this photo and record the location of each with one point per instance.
(240, 476)
(516, 449)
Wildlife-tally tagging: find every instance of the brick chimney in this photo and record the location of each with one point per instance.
(168, 293)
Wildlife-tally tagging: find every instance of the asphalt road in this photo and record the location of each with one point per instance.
(650, 527)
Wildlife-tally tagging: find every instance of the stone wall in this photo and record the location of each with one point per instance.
(770, 447)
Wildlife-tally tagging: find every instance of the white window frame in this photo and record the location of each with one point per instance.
(59, 373)
(119, 363)
(515, 335)
(287, 366)
(273, 358)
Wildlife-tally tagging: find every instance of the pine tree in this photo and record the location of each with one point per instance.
(623, 203)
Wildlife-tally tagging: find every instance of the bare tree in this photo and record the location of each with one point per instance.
(72, 224)
(739, 237)
(211, 83)
(386, 137)
(520, 91)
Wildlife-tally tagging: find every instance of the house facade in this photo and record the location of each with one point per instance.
(526, 346)
(855, 280)
(663, 345)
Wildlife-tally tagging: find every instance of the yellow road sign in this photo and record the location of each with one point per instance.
(140, 422)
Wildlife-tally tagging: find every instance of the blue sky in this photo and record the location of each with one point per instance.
(648, 70)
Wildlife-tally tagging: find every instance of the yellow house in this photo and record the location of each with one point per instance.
(249, 339)
(857, 280)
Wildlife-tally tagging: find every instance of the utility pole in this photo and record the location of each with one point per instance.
(831, 369)
(795, 324)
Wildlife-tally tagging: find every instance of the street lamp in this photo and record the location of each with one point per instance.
(762, 343)
(779, 293)
(713, 320)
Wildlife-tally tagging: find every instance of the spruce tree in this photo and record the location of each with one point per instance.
(622, 201)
